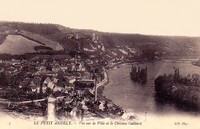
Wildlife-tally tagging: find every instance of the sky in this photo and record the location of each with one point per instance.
(156, 17)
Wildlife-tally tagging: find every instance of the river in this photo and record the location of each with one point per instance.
(140, 98)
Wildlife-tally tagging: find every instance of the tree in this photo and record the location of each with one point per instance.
(3, 79)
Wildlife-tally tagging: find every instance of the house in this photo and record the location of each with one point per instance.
(58, 88)
(42, 69)
(56, 68)
(48, 82)
(25, 84)
(84, 84)
(64, 68)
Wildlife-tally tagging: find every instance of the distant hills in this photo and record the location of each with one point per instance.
(21, 38)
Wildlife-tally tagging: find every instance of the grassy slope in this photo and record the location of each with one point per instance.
(16, 45)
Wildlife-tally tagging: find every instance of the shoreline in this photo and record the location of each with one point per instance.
(101, 88)
(119, 64)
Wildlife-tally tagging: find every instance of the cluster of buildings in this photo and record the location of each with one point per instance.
(70, 84)
(63, 87)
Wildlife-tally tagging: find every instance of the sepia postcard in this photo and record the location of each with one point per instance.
(97, 64)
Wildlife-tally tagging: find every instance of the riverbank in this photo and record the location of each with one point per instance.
(140, 98)
(111, 66)
(196, 63)
(179, 93)
(115, 111)
(127, 114)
